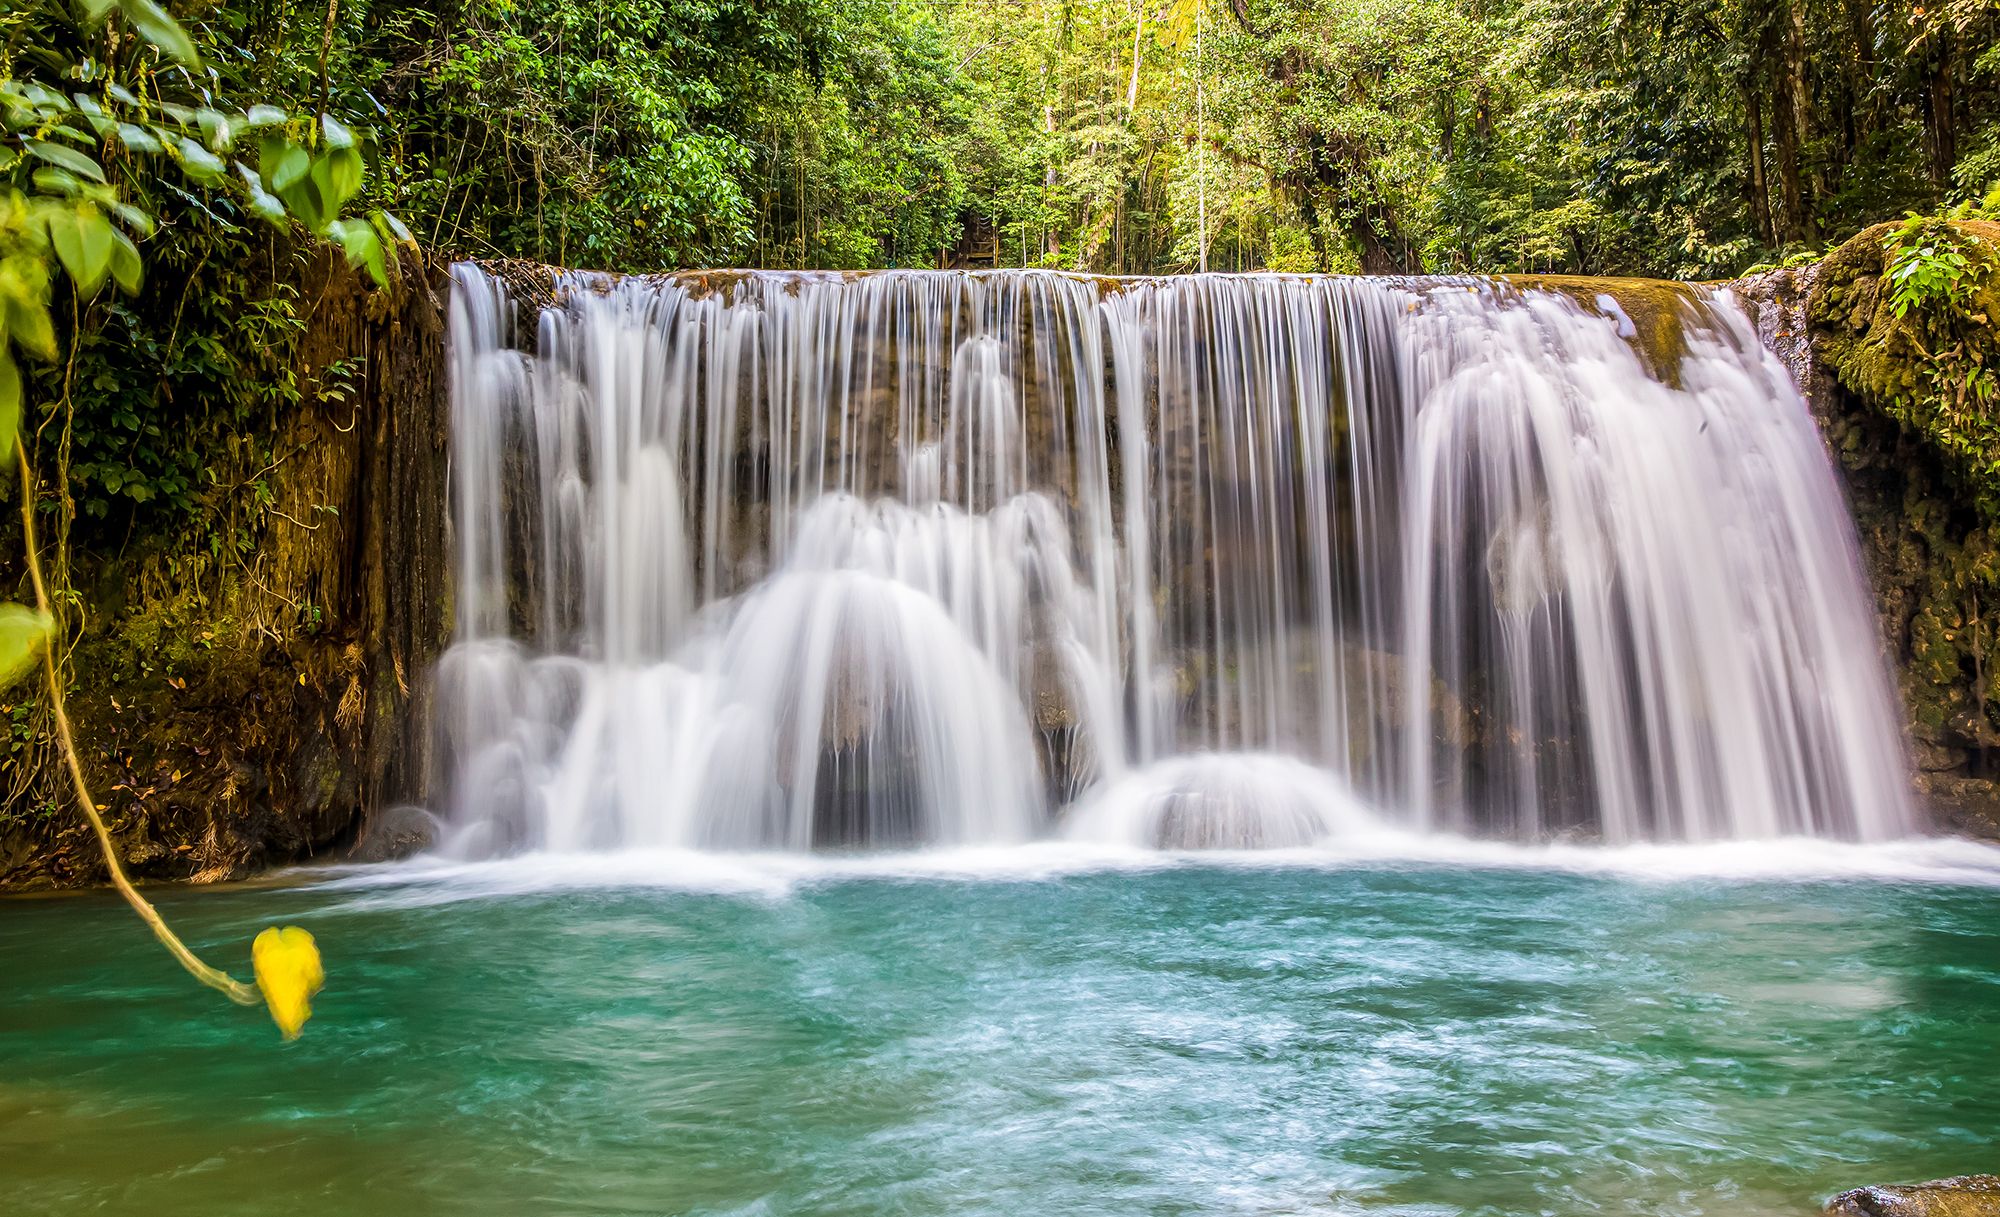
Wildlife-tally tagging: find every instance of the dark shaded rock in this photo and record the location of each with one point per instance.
(395, 834)
(1963, 1196)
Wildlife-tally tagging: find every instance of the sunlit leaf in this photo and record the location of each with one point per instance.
(127, 268)
(337, 134)
(82, 240)
(201, 164)
(289, 973)
(23, 634)
(261, 202)
(285, 165)
(160, 29)
(215, 130)
(65, 158)
(138, 138)
(28, 322)
(397, 229)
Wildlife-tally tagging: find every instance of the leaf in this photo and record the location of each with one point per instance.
(82, 238)
(337, 134)
(289, 972)
(285, 165)
(215, 130)
(263, 116)
(262, 202)
(160, 29)
(127, 268)
(28, 322)
(135, 219)
(338, 176)
(137, 138)
(201, 164)
(23, 634)
(397, 229)
(66, 158)
(10, 402)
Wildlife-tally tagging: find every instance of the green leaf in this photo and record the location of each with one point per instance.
(24, 632)
(28, 323)
(262, 203)
(127, 268)
(397, 229)
(215, 130)
(10, 402)
(201, 164)
(285, 165)
(65, 158)
(157, 27)
(263, 116)
(58, 181)
(138, 138)
(135, 219)
(337, 134)
(82, 239)
(338, 176)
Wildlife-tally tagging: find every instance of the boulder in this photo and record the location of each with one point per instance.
(1962, 1196)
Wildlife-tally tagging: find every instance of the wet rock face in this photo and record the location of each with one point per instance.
(1963, 1196)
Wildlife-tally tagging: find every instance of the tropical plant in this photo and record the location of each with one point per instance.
(76, 126)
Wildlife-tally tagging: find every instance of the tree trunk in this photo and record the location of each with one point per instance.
(1760, 189)
(1800, 89)
(1940, 117)
(1790, 225)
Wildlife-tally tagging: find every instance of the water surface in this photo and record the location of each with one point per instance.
(701, 1036)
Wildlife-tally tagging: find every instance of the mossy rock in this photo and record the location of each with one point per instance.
(1660, 311)
(1892, 362)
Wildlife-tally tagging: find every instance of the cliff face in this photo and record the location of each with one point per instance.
(237, 712)
(1932, 555)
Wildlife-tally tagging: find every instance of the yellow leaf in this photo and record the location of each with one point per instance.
(289, 973)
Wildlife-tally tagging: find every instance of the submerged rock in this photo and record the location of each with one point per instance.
(395, 834)
(1961, 1196)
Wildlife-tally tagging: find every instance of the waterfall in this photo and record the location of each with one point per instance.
(808, 560)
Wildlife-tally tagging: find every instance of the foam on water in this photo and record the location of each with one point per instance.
(435, 881)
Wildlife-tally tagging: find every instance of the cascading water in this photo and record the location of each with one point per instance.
(785, 560)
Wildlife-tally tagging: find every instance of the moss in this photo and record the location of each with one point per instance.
(1929, 369)
(1921, 476)
(1660, 311)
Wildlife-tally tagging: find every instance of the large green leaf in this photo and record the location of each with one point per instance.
(127, 268)
(82, 240)
(23, 634)
(66, 158)
(261, 202)
(285, 165)
(157, 27)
